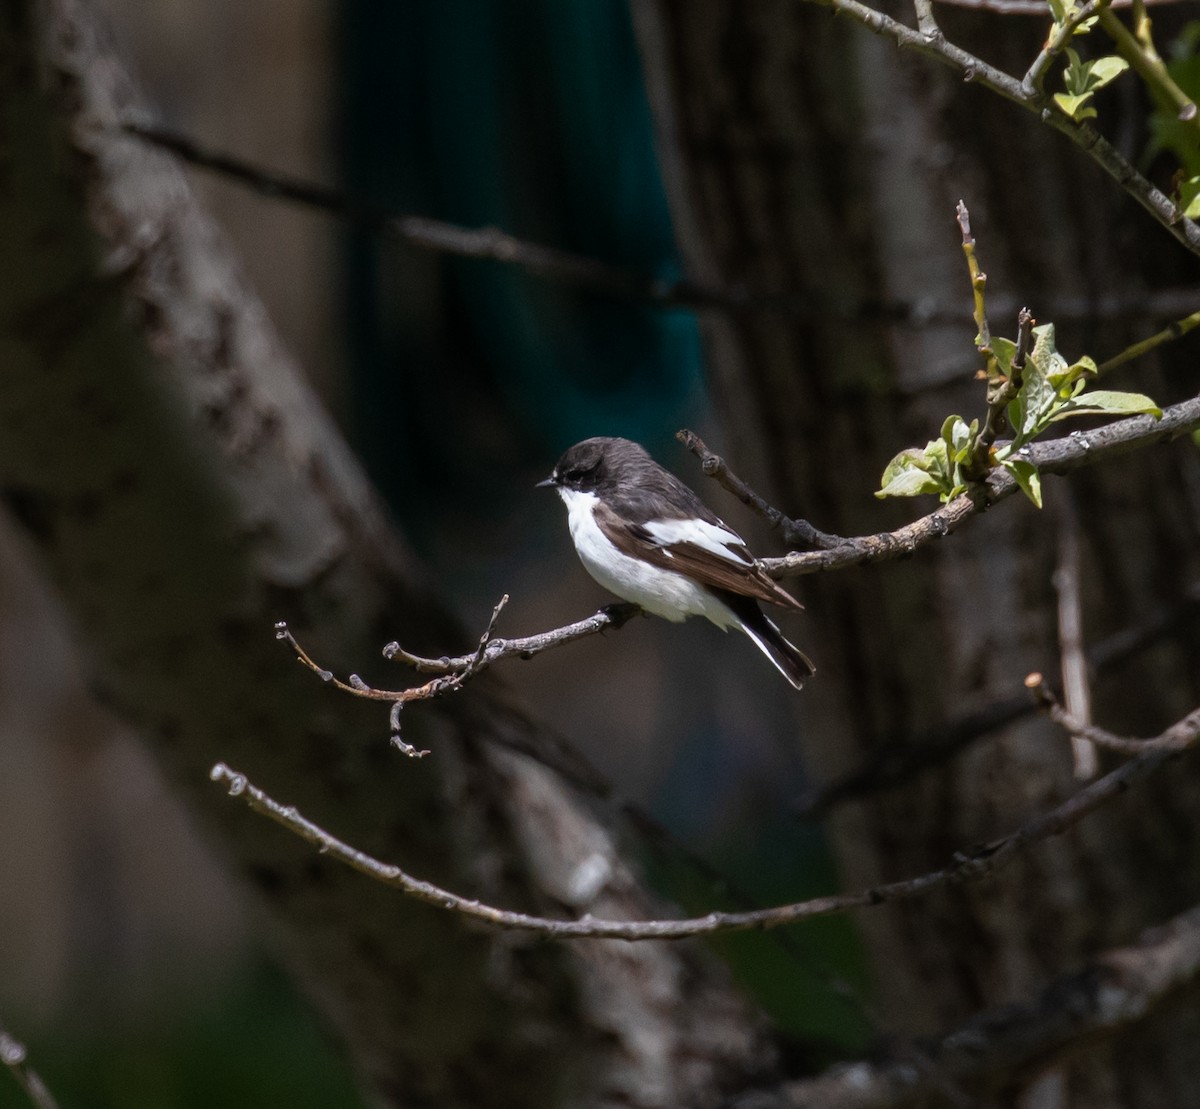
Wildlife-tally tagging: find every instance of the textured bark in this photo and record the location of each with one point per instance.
(806, 157)
(185, 491)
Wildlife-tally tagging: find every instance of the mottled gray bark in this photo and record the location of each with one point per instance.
(185, 491)
(806, 156)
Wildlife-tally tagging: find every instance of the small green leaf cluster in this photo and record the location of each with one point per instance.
(1051, 390)
(939, 468)
(1082, 79)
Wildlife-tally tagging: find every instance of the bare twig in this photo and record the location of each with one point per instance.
(1058, 456)
(968, 866)
(1075, 686)
(795, 533)
(1178, 737)
(1176, 330)
(14, 1056)
(983, 336)
(454, 673)
(1117, 989)
(611, 616)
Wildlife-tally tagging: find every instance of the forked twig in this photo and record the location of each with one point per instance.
(454, 673)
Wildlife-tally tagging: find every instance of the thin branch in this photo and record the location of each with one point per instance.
(1138, 50)
(1119, 988)
(899, 758)
(794, 533)
(1164, 210)
(487, 243)
(1176, 330)
(968, 866)
(14, 1056)
(1178, 737)
(1058, 456)
(609, 617)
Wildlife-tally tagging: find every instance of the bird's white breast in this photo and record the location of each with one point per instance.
(661, 592)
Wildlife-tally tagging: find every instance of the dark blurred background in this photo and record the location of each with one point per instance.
(126, 960)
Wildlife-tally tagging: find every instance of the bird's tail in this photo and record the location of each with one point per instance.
(788, 659)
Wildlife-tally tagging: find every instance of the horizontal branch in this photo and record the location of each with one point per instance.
(484, 243)
(1118, 988)
(1058, 456)
(968, 866)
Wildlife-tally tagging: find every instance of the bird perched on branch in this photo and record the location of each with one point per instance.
(645, 536)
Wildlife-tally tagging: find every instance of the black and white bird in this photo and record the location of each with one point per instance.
(645, 536)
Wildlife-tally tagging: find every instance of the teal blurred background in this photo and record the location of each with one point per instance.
(127, 962)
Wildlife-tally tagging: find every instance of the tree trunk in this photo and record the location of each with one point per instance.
(807, 158)
(185, 492)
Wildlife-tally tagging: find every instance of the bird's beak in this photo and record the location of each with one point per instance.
(543, 484)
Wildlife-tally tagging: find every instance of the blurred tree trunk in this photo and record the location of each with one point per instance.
(806, 157)
(184, 491)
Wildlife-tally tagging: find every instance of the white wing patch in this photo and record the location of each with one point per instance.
(714, 538)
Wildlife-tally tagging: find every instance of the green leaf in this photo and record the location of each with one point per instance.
(1103, 70)
(1110, 401)
(1004, 350)
(957, 436)
(1075, 377)
(1075, 106)
(910, 483)
(1027, 477)
(908, 459)
(1075, 75)
(1045, 352)
(1037, 398)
